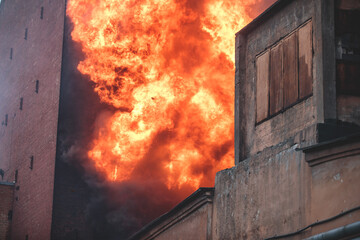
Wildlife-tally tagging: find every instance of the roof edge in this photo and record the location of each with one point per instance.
(7, 183)
(201, 192)
(276, 6)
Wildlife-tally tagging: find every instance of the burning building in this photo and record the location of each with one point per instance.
(111, 118)
(296, 133)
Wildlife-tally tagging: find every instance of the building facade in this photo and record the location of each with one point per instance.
(297, 119)
(37, 66)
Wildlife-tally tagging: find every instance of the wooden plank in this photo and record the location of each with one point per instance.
(262, 86)
(305, 61)
(290, 70)
(276, 80)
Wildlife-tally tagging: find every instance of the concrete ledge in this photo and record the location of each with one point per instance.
(332, 150)
(7, 183)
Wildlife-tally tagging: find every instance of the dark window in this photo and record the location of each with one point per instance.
(31, 162)
(347, 48)
(10, 214)
(42, 13)
(6, 120)
(284, 74)
(16, 175)
(347, 76)
(26, 33)
(21, 103)
(27, 237)
(37, 86)
(11, 53)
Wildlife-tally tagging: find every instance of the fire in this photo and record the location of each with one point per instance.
(168, 67)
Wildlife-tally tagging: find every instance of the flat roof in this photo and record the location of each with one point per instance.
(270, 11)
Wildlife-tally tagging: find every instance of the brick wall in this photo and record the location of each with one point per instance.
(6, 205)
(31, 37)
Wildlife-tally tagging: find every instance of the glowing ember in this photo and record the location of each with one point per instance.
(168, 67)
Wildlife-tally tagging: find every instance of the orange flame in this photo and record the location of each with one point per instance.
(168, 67)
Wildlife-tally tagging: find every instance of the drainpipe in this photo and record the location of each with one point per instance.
(346, 231)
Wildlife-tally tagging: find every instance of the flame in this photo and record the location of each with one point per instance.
(168, 67)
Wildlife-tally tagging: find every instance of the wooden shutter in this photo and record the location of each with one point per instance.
(305, 61)
(290, 75)
(276, 80)
(262, 86)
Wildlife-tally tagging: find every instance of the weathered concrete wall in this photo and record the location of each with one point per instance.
(194, 227)
(31, 36)
(262, 196)
(6, 206)
(276, 192)
(334, 187)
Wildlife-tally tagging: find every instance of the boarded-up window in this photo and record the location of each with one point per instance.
(305, 60)
(262, 87)
(284, 73)
(276, 80)
(290, 74)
